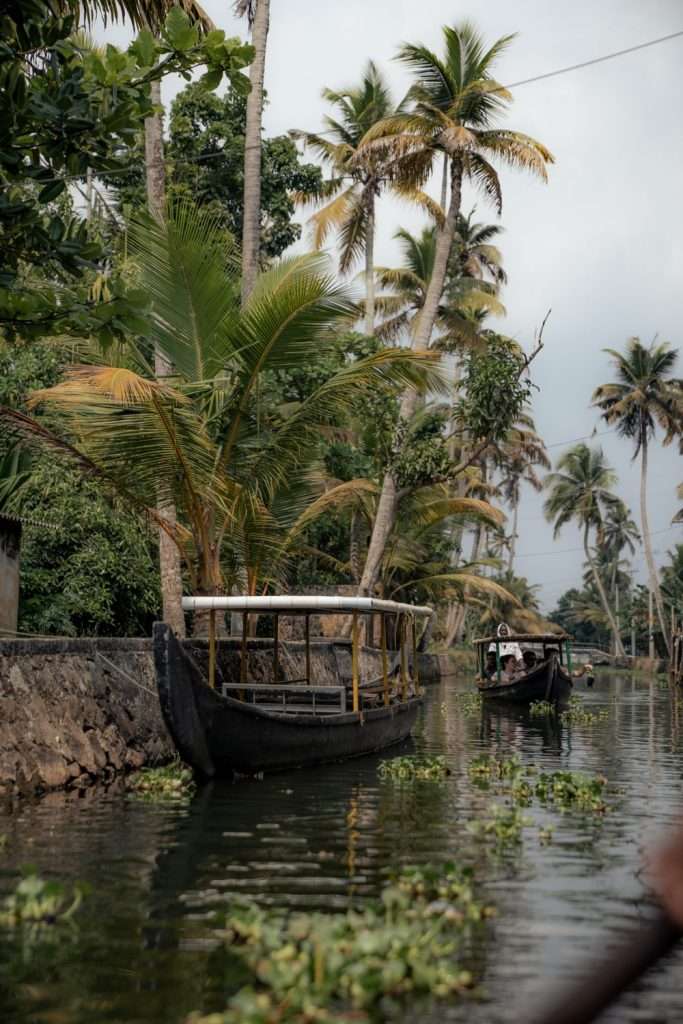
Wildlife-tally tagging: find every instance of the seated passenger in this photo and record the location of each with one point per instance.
(490, 667)
(529, 659)
(508, 664)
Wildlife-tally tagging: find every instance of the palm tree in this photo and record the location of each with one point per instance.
(357, 179)
(644, 396)
(518, 457)
(455, 103)
(620, 533)
(467, 299)
(678, 518)
(579, 490)
(258, 14)
(242, 486)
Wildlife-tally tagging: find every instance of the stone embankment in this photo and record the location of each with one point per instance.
(76, 711)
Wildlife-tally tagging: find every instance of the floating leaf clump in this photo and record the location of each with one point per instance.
(339, 968)
(469, 704)
(503, 826)
(38, 903)
(523, 784)
(424, 768)
(173, 782)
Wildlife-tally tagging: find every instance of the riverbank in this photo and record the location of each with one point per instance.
(75, 711)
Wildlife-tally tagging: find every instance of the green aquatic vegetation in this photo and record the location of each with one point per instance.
(38, 904)
(503, 826)
(173, 782)
(423, 768)
(572, 791)
(486, 767)
(339, 968)
(575, 715)
(545, 835)
(541, 708)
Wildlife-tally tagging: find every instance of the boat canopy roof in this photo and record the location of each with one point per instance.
(297, 604)
(529, 638)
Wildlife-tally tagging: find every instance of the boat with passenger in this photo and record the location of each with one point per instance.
(522, 668)
(234, 721)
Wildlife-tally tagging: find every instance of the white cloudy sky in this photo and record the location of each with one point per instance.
(602, 243)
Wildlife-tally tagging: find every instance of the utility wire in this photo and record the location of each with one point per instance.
(596, 60)
(512, 85)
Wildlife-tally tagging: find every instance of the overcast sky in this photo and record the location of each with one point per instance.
(602, 243)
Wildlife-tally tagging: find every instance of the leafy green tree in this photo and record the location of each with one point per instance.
(644, 396)
(580, 490)
(66, 110)
(206, 154)
(242, 488)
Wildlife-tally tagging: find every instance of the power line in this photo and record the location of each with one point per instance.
(562, 551)
(595, 60)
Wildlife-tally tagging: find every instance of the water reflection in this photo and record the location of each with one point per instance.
(328, 838)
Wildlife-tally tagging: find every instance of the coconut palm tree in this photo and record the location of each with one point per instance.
(258, 14)
(620, 533)
(580, 490)
(467, 299)
(644, 396)
(455, 105)
(193, 439)
(518, 457)
(357, 178)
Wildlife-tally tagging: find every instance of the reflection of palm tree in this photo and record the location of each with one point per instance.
(580, 490)
(644, 396)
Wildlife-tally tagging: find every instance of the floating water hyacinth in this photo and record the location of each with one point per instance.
(423, 768)
(469, 704)
(173, 782)
(503, 826)
(340, 968)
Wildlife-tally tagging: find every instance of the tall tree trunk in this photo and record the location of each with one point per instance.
(424, 325)
(251, 225)
(370, 267)
(169, 554)
(444, 182)
(647, 544)
(618, 646)
(456, 634)
(513, 538)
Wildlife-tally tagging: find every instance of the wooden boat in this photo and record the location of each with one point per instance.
(248, 727)
(549, 679)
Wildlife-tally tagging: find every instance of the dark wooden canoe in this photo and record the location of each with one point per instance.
(548, 681)
(220, 735)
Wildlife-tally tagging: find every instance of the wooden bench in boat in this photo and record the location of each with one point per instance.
(306, 698)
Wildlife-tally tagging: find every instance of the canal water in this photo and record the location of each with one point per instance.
(143, 952)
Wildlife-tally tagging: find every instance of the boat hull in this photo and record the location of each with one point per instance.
(220, 736)
(549, 682)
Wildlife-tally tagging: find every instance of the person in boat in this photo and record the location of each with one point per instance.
(529, 658)
(490, 668)
(510, 668)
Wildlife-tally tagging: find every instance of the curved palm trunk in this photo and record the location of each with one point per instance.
(251, 225)
(647, 544)
(370, 267)
(458, 628)
(618, 646)
(169, 555)
(387, 507)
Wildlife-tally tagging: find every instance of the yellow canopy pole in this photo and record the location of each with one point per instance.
(354, 664)
(416, 670)
(385, 662)
(402, 650)
(212, 649)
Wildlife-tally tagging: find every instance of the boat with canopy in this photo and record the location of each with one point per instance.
(238, 721)
(545, 673)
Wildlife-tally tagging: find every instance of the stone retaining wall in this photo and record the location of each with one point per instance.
(74, 711)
